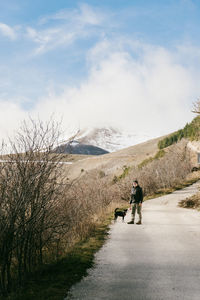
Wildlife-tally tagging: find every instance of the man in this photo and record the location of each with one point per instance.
(136, 201)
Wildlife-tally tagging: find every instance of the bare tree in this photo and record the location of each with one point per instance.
(30, 189)
(42, 214)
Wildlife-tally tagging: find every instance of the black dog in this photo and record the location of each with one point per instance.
(120, 213)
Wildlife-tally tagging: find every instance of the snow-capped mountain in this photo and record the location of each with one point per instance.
(109, 138)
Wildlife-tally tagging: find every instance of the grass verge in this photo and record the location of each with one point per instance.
(167, 191)
(54, 281)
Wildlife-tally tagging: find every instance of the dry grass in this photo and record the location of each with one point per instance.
(191, 202)
(194, 201)
(191, 179)
(113, 163)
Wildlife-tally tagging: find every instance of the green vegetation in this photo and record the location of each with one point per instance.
(52, 282)
(123, 175)
(190, 131)
(158, 155)
(145, 162)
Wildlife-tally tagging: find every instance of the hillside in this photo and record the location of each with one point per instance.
(191, 131)
(113, 163)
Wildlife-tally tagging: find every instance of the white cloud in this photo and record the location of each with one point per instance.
(69, 26)
(150, 93)
(50, 38)
(133, 86)
(8, 31)
(84, 14)
(11, 116)
(89, 16)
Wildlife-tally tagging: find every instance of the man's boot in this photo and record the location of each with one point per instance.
(139, 222)
(131, 222)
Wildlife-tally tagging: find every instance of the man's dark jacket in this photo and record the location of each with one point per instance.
(136, 195)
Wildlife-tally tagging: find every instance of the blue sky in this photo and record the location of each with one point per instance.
(98, 62)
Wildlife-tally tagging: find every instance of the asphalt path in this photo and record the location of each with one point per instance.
(159, 259)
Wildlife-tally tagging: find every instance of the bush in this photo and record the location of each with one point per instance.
(192, 202)
(146, 161)
(166, 172)
(30, 223)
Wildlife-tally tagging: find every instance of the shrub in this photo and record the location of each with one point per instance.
(162, 173)
(191, 202)
(146, 161)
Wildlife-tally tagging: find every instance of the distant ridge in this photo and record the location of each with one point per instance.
(75, 147)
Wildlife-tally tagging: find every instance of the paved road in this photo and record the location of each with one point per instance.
(157, 260)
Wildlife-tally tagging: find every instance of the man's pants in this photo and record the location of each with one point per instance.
(136, 206)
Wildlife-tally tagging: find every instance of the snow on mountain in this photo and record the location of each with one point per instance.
(74, 143)
(109, 138)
